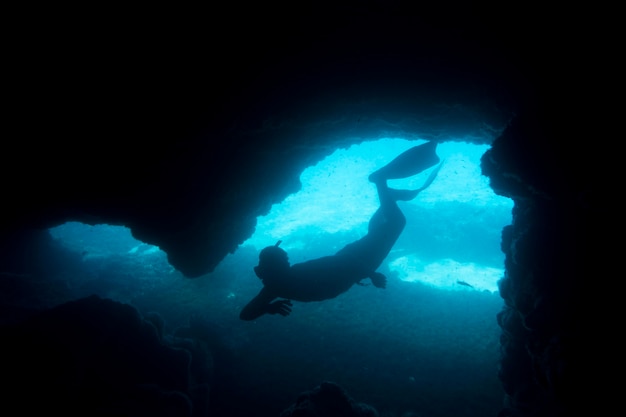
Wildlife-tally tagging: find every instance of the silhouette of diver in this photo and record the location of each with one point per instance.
(328, 276)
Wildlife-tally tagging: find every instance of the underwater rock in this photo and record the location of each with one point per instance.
(328, 400)
(550, 248)
(95, 356)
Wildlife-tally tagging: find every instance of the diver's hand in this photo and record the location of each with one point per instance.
(282, 307)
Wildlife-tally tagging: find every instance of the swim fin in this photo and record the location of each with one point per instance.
(408, 195)
(408, 163)
(431, 177)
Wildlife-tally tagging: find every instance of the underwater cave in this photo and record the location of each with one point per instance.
(134, 210)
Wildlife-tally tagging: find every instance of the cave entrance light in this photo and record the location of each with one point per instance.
(102, 240)
(453, 227)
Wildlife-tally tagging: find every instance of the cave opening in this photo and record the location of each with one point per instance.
(453, 227)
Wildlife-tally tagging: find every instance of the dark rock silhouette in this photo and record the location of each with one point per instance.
(95, 356)
(328, 400)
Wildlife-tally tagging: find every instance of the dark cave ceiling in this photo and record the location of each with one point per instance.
(187, 133)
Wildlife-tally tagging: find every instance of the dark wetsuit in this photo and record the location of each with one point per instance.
(328, 276)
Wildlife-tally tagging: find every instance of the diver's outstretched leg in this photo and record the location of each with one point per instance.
(408, 163)
(388, 212)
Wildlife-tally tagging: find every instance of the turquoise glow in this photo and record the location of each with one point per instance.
(336, 198)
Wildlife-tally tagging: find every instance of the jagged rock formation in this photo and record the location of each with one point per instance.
(328, 400)
(549, 248)
(99, 357)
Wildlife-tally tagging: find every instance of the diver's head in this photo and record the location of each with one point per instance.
(272, 260)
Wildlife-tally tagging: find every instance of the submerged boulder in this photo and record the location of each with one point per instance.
(328, 400)
(95, 356)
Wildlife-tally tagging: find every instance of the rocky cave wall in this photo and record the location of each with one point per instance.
(558, 220)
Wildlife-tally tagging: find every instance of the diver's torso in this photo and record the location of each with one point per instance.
(318, 279)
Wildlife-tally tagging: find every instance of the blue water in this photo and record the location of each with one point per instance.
(425, 344)
(453, 227)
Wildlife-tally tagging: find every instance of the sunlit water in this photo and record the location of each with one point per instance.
(337, 197)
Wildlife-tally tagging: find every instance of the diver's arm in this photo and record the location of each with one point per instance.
(262, 304)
